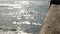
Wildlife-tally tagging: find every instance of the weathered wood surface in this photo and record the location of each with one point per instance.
(52, 22)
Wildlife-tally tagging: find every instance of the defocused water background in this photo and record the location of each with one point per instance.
(25, 16)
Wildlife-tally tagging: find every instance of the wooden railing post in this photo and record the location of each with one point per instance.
(52, 22)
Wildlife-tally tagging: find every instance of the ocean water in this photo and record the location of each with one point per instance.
(22, 16)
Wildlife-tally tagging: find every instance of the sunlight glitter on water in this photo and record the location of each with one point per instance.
(25, 13)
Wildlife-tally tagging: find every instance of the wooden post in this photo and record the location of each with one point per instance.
(52, 22)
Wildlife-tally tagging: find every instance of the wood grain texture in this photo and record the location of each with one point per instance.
(52, 22)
